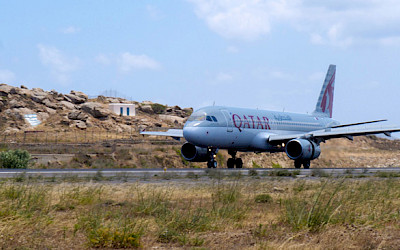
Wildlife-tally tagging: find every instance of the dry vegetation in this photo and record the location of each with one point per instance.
(220, 214)
(147, 152)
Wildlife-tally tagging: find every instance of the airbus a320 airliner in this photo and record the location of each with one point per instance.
(251, 130)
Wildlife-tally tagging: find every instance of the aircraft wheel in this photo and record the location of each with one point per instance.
(239, 163)
(297, 164)
(231, 163)
(306, 164)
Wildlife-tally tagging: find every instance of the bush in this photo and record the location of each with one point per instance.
(14, 159)
(315, 212)
(105, 237)
(263, 198)
(276, 165)
(158, 108)
(255, 165)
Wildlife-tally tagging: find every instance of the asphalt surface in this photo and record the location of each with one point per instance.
(198, 173)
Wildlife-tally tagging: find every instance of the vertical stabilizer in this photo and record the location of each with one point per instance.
(324, 106)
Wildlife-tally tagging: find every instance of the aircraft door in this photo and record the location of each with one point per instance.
(228, 119)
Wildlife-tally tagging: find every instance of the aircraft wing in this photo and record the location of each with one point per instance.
(174, 133)
(333, 133)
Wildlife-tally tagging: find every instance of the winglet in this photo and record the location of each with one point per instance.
(324, 105)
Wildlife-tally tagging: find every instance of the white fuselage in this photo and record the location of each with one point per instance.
(247, 129)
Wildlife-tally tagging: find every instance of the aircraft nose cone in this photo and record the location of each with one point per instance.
(196, 136)
(190, 134)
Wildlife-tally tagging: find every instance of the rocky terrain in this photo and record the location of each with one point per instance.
(60, 112)
(76, 112)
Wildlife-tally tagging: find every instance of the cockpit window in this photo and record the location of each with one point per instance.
(198, 116)
(202, 116)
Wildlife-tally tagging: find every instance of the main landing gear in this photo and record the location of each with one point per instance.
(234, 161)
(306, 164)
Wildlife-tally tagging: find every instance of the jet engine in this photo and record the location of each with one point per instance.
(193, 153)
(302, 149)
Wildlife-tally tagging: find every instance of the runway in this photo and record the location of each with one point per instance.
(148, 174)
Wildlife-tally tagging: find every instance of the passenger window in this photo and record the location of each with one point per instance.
(208, 118)
(214, 119)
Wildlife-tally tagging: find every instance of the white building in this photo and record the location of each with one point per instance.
(125, 109)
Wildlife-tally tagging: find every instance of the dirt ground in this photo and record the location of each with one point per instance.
(363, 152)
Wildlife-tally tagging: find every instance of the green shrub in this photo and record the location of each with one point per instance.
(177, 225)
(14, 159)
(106, 237)
(276, 165)
(227, 194)
(263, 198)
(255, 165)
(23, 200)
(315, 212)
(158, 108)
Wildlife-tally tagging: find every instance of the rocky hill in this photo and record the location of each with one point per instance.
(58, 112)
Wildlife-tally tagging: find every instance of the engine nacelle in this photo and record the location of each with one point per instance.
(302, 149)
(193, 153)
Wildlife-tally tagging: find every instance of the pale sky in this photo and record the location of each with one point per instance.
(257, 53)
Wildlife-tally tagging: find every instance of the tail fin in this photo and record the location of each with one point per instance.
(324, 106)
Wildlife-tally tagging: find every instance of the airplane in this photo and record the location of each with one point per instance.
(212, 128)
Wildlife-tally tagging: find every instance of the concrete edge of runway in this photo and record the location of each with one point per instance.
(198, 173)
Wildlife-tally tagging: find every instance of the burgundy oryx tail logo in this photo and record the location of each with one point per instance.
(327, 99)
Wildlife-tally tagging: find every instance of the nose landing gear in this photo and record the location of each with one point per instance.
(212, 163)
(232, 162)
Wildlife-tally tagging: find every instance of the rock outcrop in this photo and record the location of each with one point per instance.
(59, 111)
(96, 110)
(76, 97)
(77, 115)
